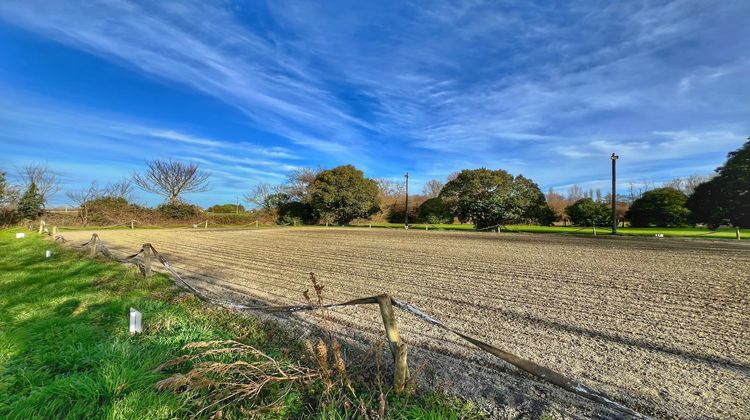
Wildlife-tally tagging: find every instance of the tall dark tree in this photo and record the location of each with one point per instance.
(491, 197)
(725, 197)
(171, 179)
(664, 207)
(435, 211)
(343, 194)
(30, 205)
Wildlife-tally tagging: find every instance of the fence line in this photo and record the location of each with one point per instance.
(96, 246)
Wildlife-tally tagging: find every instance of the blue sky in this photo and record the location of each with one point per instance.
(252, 90)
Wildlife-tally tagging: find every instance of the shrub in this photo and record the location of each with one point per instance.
(435, 211)
(226, 208)
(587, 212)
(30, 205)
(295, 212)
(178, 210)
(342, 194)
(663, 207)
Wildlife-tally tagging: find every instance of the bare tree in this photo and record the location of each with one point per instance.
(47, 182)
(432, 188)
(575, 193)
(390, 189)
(260, 195)
(171, 179)
(300, 184)
(82, 198)
(451, 176)
(121, 189)
(687, 185)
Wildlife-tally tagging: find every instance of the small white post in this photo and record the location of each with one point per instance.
(370, 225)
(426, 227)
(135, 322)
(737, 232)
(48, 254)
(20, 235)
(326, 224)
(206, 225)
(594, 230)
(132, 224)
(256, 223)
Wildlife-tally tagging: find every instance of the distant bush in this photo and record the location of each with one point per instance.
(435, 211)
(226, 208)
(178, 210)
(295, 212)
(587, 212)
(663, 207)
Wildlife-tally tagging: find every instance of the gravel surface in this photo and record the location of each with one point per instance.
(661, 325)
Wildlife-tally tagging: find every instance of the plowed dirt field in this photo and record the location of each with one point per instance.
(661, 325)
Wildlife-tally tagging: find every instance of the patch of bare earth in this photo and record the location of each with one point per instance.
(661, 325)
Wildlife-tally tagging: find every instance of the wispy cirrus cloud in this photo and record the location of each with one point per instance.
(433, 87)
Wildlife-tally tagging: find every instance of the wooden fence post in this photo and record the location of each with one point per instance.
(206, 224)
(41, 226)
(398, 348)
(594, 227)
(737, 232)
(54, 231)
(146, 260)
(256, 223)
(93, 245)
(132, 224)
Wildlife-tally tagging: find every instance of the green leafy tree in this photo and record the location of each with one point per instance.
(727, 195)
(587, 212)
(30, 205)
(435, 211)
(343, 194)
(663, 207)
(491, 197)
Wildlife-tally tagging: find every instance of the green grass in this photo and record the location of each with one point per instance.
(65, 350)
(684, 232)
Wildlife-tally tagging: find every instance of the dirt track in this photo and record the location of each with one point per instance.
(662, 325)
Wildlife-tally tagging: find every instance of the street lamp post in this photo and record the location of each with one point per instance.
(406, 205)
(614, 158)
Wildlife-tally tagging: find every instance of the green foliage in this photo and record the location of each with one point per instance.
(178, 210)
(491, 197)
(343, 194)
(727, 195)
(226, 208)
(435, 211)
(663, 207)
(587, 212)
(295, 213)
(30, 205)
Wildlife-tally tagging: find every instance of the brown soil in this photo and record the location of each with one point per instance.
(662, 326)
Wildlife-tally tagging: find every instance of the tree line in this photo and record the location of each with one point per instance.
(484, 197)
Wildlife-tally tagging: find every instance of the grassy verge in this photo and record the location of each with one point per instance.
(65, 350)
(682, 232)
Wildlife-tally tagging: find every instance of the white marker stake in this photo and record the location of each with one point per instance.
(135, 322)
(20, 235)
(48, 254)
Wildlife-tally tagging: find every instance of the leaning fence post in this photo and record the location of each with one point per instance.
(146, 260)
(41, 226)
(93, 244)
(737, 232)
(398, 348)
